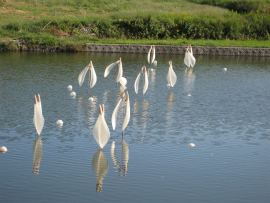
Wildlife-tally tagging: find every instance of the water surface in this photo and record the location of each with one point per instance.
(224, 113)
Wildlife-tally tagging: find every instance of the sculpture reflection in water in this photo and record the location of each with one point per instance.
(38, 154)
(100, 166)
(140, 116)
(189, 79)
(122, 167)
(171, 98)
(86, 110)
(152, 76)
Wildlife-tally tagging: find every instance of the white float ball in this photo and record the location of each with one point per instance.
(123, 81)
(59, 122)
(73, 94)
(3, 149)
(91, 99)
(69, 87)
(225, 69)
(191, 145)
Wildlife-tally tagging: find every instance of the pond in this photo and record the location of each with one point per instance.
(226, 114)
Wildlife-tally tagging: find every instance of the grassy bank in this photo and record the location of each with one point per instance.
(68, 25)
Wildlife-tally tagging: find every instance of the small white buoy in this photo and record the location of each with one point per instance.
(123, 81)
(225, 69)
(155, 63)
(3, 149)
(151, 69)
(69, 87)
(73, 94)
(189, 95)
(191, 145)
(91, 99)
(113, 145)
(59, 122)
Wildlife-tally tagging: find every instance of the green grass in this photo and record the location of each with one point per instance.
(57, 23)
(185, 42)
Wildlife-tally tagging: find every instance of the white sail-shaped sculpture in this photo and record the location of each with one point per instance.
(145, 87)
(127, 117)
(153, 55)
(149, 54)
(100, 166)
(136, 84)
(189, 59)
(190, 49)
(114, 114)
(93, 76)
(82, 75)
(38, 118)
(101, 131)
(120, 69)
(109, 68)
(171, 77)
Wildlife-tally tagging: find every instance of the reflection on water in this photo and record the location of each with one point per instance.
(152, 76)
(113, 155)
(144, 114)
(121, 167)
(100, 166)
(92, 110)
(80, 109)
(38, 154)
(170, 98)
(189, 79)
(226, 116)
(122, 89)
(86, 109)
(105, 97)
(125, 157)
(170, 109)
(141, 112)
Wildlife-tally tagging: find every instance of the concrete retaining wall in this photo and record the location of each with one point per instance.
(218, 51)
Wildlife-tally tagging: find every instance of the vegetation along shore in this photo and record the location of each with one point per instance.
(68, 25)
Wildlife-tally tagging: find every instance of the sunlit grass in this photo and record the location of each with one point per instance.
(185, 42)
(28, 10)
(32, 17)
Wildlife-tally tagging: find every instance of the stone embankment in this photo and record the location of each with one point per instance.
(17, 45)
(160, 49)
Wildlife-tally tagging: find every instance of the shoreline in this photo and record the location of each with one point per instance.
(16, 45)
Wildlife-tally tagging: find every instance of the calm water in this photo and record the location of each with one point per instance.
(225, 114)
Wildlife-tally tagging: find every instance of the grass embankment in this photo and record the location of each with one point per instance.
(68, 25)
